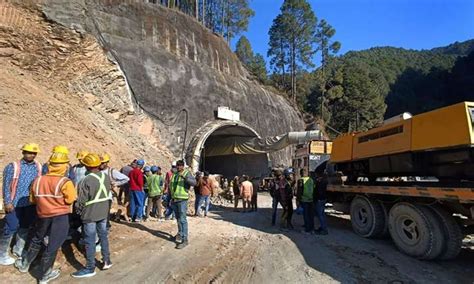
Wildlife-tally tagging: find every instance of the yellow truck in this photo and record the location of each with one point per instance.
(411, 178)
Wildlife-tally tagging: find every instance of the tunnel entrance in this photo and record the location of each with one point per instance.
(206, 145)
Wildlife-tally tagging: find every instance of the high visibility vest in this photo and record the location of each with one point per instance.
(154, 185)
(308, 188)
(178, 191)
(102, 194)
(48, 196)
(16, 177)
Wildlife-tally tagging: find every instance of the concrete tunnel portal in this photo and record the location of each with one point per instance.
(201, 154)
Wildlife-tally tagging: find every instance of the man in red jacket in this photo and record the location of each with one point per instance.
(137, 195)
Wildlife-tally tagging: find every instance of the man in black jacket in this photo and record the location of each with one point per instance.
(320, 198)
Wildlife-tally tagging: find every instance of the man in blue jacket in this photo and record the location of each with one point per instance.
(20, 213)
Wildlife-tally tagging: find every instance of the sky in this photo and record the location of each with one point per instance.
(362, 24)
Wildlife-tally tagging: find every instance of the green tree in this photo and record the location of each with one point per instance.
(278, 53)
(362, 106)
(292, 39)
(258, 68)
(324, 33)
(243, 50)
(254, 63)
(236, 18)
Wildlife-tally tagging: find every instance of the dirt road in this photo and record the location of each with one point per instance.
(233, 247)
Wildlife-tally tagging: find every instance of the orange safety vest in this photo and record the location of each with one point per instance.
(16, 177)
(48, 196)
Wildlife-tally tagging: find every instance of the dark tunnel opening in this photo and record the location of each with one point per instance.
(230, 165)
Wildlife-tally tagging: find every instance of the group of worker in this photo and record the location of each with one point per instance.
(43, 202)
(310, 195)
(243, 188)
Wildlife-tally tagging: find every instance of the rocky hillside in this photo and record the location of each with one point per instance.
(58, 87)
(173, 63)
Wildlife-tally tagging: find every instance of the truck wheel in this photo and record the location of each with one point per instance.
(416, 230)
(452, 233)
(367, 217)
(384, 233)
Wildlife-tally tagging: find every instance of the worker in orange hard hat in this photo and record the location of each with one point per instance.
(53, 195)
(20, 213)
(63, 150)
(79, 169)
(93, 205)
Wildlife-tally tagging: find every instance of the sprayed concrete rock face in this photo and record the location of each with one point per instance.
(171, 63)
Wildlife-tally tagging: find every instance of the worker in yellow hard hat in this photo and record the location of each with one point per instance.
(62, 150)
(93, 203)
(79, 169)
(53, 195)
(20, 213)
(117, 179)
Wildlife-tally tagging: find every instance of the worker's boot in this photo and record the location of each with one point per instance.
(21, 236)
(46, 268)
(177, 238)
(30, 255)
(183, 244)
(5, 258)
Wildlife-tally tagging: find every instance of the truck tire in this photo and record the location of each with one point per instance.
(416, 230)
(453, 235)
(384, 233)
(367, 217)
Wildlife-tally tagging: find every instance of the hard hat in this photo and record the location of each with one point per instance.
(91, 160)
(31, 147)
(81, 154)
(154, 169)
(173, 164)
(59, 158)
(105, 158)
(141, 162)
(60, 149)
(287, 172)
(146, 169)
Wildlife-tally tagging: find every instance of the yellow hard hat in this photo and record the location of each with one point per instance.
(59, 158)
(31, 147)
(81, 154)
(91, 160)
(61, 149)
(105, 158)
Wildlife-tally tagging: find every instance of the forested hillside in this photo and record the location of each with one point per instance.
(358, 89)
(419, 80)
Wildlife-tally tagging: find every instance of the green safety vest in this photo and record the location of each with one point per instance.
(102, 194)
(308, 188)
(154, 185)
(177, 186)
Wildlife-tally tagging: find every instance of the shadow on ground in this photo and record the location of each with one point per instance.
(348, 258)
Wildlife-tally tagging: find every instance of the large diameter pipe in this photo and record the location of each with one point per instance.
(303, 136)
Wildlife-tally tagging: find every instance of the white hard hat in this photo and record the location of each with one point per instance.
(173, 164)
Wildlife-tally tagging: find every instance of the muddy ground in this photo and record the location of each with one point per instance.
(234, 247)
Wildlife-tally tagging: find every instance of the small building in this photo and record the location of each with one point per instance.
(312, 155)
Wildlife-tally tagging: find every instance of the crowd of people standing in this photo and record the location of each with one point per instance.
(47, 204)
(310, 193)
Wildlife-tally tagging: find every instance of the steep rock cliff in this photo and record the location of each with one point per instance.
(171, 63)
